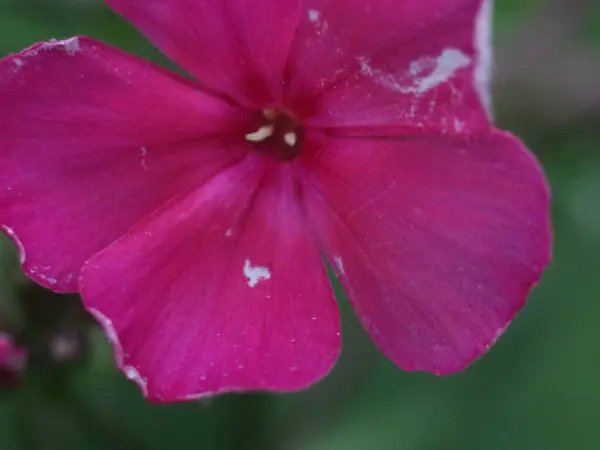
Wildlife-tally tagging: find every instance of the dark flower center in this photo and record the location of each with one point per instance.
(278, 134)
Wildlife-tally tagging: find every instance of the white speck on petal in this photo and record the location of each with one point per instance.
(20, 247)
(440, 69)
(42, 276)
(48, 278)
(72, 45)
(315, 17)
(144, 151)
(255, 273)
(446, 66)
(228, 232)
(340, 265)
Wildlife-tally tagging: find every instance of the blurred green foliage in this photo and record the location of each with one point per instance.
(537, 389)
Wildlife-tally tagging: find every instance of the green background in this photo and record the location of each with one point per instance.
(538, 387)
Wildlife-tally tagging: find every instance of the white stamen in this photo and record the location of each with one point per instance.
(270, 114)
(290, 138)
(261, 134)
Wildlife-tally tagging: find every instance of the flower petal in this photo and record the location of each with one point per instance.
(236, 47)
(224, 291)
(437, 240)
(92, 141)
(379, 67)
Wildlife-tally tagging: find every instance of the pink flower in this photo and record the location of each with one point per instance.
(12, 361)
(193, 216)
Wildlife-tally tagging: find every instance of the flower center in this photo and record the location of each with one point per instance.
(277, 134)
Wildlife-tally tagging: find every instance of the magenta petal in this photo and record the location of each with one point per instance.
(223, 291)
(235, 47)
(92, 141)
(384, 66)
(437, 240)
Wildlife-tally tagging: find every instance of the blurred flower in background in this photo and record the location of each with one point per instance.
(12, 361)
(538, 388)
